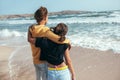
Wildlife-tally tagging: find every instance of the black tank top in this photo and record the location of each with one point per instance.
(52, 52)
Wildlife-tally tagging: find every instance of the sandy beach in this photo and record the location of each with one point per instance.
(5, 53)
(92, 64)
(89, 64)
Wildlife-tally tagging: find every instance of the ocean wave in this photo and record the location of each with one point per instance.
(97, 40)
(6, 34)
(86, 17)
(17, 22)
(99, 20)
(115, 14)
(88, 14)
(95, 43)
(98, 31)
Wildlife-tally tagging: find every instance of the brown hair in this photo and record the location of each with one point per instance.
(61, 30)
(41, 14)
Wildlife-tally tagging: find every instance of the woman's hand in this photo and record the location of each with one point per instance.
(32, 40)
(73, 77)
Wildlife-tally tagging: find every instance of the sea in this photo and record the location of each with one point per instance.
(94, 30)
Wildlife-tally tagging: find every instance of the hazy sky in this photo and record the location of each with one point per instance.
(29, 6)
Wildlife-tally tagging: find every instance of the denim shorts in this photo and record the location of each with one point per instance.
(59, 74)
(41, 71)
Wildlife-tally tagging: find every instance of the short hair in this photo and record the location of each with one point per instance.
(40, 14)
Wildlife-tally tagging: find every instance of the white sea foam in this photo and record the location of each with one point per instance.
(11, 72)
(5, 33)
(85, 20)
(70, 20)
(88, 41)
(115, 14)
(17, 22)
(92, 30)
(17, 62)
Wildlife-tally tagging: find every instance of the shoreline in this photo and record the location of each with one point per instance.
(5, 53)
(89, 64)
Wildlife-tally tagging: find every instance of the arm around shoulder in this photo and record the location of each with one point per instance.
(43, 31)
(55, 38)
(38, 31)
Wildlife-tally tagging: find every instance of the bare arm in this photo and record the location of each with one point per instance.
(46, 32)
(30, 38)
(69, 63)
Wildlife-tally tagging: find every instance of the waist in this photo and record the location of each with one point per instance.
(61, 66)
(58, 68)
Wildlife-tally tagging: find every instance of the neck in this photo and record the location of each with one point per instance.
(42, 23)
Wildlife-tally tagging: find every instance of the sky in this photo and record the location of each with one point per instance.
(30, 6)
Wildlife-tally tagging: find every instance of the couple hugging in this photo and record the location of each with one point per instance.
(50, 49)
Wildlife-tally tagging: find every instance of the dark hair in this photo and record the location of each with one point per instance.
(61, 30)
(41, 14)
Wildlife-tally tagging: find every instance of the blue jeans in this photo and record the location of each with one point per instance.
(59, 74)
(41, 71)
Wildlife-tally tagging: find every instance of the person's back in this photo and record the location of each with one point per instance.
(55, 53)
(52, 52)
(40, 30)
(36, 51)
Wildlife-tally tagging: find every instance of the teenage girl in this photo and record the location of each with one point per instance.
(57, 55)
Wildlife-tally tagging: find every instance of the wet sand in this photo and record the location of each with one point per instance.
(5, 52)
(89, 64)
